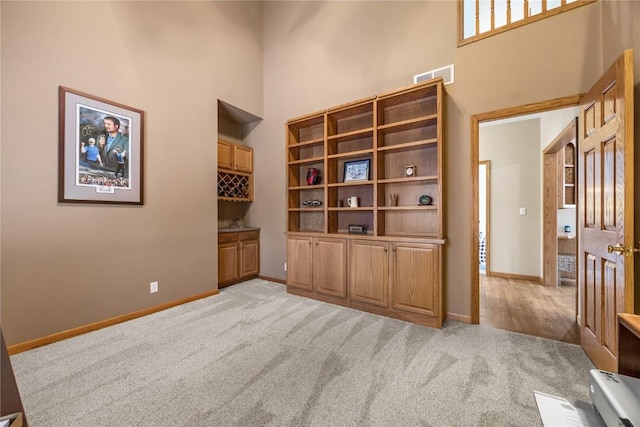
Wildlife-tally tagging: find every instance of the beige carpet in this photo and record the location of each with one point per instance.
(256, 356)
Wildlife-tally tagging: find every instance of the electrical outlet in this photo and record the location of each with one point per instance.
(285, 266)
(153, 287)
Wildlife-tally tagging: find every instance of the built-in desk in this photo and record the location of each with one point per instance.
(629, 345)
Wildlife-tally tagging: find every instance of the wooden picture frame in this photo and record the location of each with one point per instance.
(357, 170)
(101, 150)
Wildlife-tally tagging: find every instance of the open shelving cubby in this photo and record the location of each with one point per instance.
(305, 149)
(409, 134)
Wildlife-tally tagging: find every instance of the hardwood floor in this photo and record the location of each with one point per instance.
(529, 308)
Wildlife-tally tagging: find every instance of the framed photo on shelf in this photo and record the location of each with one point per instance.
(101, 150)
(357, 170)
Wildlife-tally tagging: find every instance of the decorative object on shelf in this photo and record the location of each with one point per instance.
(410, 171)
(358, 228)
(357, 170)
(393, 199)
(101, 150)
(567, 229)
(312, 203)
(425, 200)
(313, 176)
(352, 201)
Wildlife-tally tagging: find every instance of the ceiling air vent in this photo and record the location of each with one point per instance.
(445, 72)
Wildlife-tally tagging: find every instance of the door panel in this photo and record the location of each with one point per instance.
(330, 266)
(605, 280)
(369, 272)
(299, 263)
(609, 185)
(415, 278)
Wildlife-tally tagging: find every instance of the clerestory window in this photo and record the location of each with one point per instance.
(478, 19)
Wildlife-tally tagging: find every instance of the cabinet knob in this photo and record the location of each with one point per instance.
(385, 249)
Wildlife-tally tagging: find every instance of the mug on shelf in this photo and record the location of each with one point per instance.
(352, 201)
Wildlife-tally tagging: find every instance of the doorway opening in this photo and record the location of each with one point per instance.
(507, 276)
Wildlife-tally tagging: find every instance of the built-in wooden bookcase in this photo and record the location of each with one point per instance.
(392, 131)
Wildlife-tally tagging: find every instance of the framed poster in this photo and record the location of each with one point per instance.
(357, 170)
(101, 150)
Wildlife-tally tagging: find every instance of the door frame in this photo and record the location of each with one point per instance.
(487, 208)
(553, 104)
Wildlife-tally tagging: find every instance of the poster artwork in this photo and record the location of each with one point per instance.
(103, 150)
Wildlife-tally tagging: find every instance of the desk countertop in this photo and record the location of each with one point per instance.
(565, 236)
(237, 229)
(632, 322)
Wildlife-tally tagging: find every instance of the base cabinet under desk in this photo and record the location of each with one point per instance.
(394, 278)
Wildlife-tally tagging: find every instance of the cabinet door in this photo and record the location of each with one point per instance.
(299, 262)
(369, 271)
(225, 155)
(250, 258)
(227, 262)
(415, 283)
(243, 158)
(330, 266)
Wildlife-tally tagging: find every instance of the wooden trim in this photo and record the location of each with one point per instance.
(565, 137)
(550, 276)
(513, 276)
(475, 257)
(459, 317)
(59, 336)
(272, 279)
(487, 244)
(539, 107)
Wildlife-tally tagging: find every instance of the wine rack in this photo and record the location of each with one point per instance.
(234, 187)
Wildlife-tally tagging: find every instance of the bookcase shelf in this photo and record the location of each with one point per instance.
(393, 131)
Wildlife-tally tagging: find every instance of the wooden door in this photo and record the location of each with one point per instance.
(225, 155)
(605, 216)
(227, 262)
(250, 258)
(330, 266)
(415, 280)
(242, 158)
(369, 272)
(299, 262)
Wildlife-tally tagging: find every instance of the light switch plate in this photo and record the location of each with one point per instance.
(523, 211)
